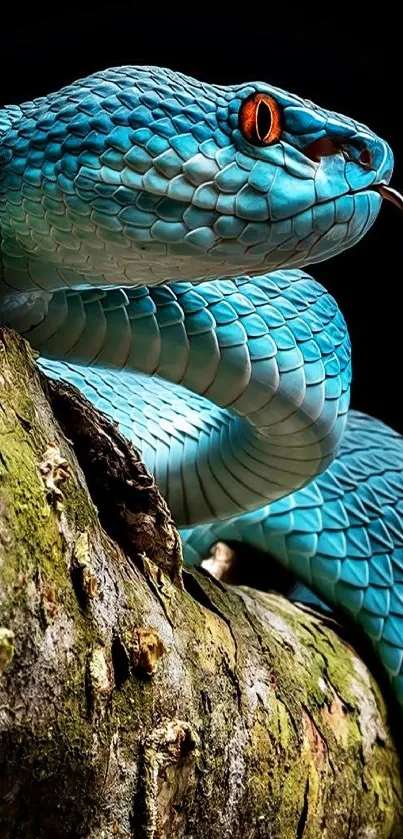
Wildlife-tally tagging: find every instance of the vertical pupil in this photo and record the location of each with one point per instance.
(263, 119)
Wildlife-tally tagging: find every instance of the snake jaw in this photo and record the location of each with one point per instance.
(389, 194)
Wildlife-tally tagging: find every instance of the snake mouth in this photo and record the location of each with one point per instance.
(389, 194)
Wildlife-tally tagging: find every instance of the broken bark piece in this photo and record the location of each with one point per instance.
(147, 649)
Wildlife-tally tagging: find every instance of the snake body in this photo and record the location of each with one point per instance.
(154, 253)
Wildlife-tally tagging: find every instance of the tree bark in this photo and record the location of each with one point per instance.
(141, 700)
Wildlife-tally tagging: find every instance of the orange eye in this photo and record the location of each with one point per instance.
(260, 119)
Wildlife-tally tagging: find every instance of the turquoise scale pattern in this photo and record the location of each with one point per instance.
(342, 536)
(262, 417)
(155, 259)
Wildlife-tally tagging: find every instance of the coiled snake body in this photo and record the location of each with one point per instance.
(154, 236)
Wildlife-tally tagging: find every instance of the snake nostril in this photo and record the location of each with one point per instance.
(322, 147)
(365, 157)
(352, 150)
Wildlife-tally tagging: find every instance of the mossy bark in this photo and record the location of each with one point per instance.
(139, 701)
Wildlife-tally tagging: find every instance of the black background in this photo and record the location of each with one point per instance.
(345, 58)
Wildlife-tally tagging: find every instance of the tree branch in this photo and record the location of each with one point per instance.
(136, 701)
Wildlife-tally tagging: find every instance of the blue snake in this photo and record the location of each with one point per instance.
(155, 232)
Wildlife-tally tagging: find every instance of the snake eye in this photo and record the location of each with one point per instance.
(260, 119)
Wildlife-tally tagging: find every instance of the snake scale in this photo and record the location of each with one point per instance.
(155, 232)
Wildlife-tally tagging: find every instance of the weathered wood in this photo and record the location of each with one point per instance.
(136, 701)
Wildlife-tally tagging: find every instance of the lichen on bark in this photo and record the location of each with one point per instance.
(140, 701)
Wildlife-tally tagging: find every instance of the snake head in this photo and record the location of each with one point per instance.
(315, 177)
(143, 174)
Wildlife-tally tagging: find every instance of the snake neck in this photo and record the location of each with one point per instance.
(257, 368)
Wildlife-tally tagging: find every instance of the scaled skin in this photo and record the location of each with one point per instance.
(136, 177)
(141, 175)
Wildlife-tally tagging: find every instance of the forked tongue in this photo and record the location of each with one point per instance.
(391, 195)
